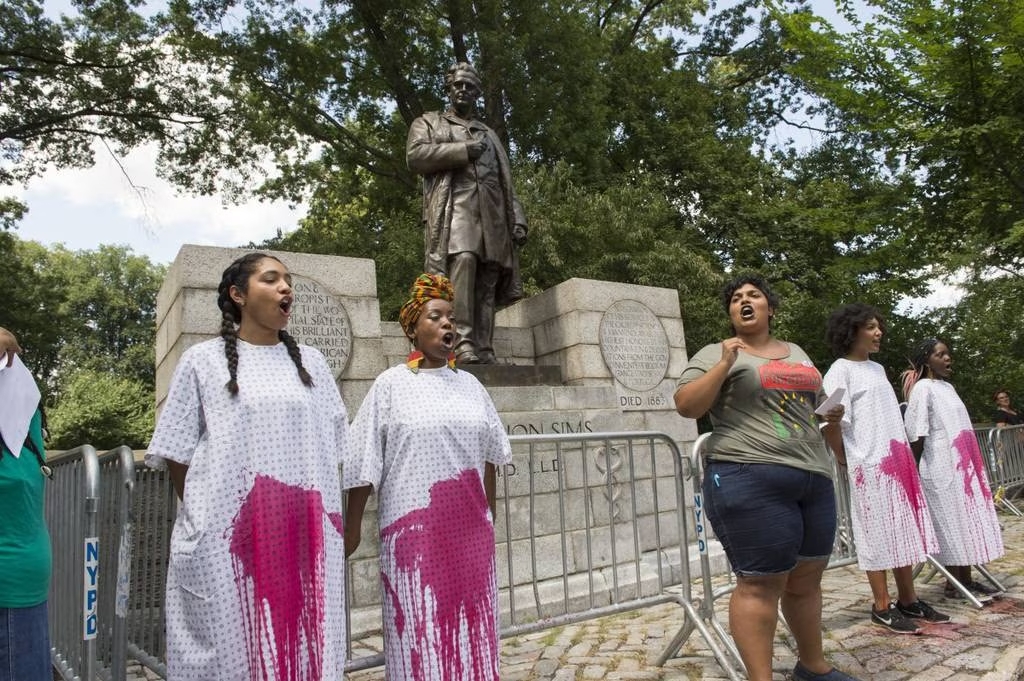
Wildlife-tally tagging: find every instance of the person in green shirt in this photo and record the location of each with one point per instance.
(25, 556)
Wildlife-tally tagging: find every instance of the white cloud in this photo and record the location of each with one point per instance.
(129, 204)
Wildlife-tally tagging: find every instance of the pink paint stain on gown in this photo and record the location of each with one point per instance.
(900, 466)
(970, 464)
(450, 544)
(277, 551)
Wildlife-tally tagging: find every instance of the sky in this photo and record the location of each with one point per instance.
(83, 208)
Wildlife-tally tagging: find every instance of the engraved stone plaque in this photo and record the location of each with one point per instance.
(319, 319)
(634, 345)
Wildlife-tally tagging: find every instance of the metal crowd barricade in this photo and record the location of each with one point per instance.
(87, 512)
(154, 508)
(715, 586)
(592, 524)
(1005, 462)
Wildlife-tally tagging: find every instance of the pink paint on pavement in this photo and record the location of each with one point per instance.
(448, 549)
(277, 551)
(970, 464)
(900, 466)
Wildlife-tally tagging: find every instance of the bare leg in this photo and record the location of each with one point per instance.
(962, 574)
(801, 605)
(879, 589)
(753, 616)
(904, 577)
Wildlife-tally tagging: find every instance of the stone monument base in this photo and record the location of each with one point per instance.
(508, 375)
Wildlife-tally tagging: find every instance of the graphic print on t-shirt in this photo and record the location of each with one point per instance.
(788, 389)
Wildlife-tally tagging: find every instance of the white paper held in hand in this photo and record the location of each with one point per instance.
(836, 398)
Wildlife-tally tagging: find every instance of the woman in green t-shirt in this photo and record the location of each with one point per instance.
(24, 549)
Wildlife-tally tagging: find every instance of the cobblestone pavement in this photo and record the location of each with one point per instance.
(985, 644)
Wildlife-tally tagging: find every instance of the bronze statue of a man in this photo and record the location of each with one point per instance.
(472, 221)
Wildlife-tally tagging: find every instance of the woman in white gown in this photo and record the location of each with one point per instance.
(952, 470)
(891, 525)
(428, 439)
(252, 434)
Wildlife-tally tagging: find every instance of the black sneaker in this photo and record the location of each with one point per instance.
(802, 673)
(922, 611)
(952, 592)
(894, 620)
(982, 588)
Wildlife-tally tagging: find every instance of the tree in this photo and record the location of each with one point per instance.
(935, 91)
(329, 93)
(86, 320)
(103, 409)
(98, 76)
(986, 342)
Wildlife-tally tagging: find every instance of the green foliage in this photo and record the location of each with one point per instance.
(103, 409)
(987, 343)
(98, 74)
(644, 138)
(935, 91)
(80, 315)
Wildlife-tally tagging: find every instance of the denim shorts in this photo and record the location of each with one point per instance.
(769, 516)
(25, 644)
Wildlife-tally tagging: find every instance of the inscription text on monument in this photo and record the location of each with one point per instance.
(635, 350)
(319, 319)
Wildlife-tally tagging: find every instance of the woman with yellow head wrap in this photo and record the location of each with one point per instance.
(429, 440)
(438, 335)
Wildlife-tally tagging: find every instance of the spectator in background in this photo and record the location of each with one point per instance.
(25, 556)
(1004, 414)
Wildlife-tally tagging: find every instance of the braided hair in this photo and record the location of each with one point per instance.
(918, 365)
(237, 274)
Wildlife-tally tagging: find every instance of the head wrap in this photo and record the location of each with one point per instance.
(426, 287)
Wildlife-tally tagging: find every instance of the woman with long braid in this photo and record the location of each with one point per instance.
(428, 440)
(952, 471)
(252, 433)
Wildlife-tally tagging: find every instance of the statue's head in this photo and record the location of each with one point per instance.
(463, 85)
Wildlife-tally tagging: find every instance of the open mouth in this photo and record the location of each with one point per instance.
(746, 311)
(286, 305)
(448, 339)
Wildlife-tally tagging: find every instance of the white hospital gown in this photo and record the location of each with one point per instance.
(891, 524)
(422, 440)
(255, 585)
(953, 475)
